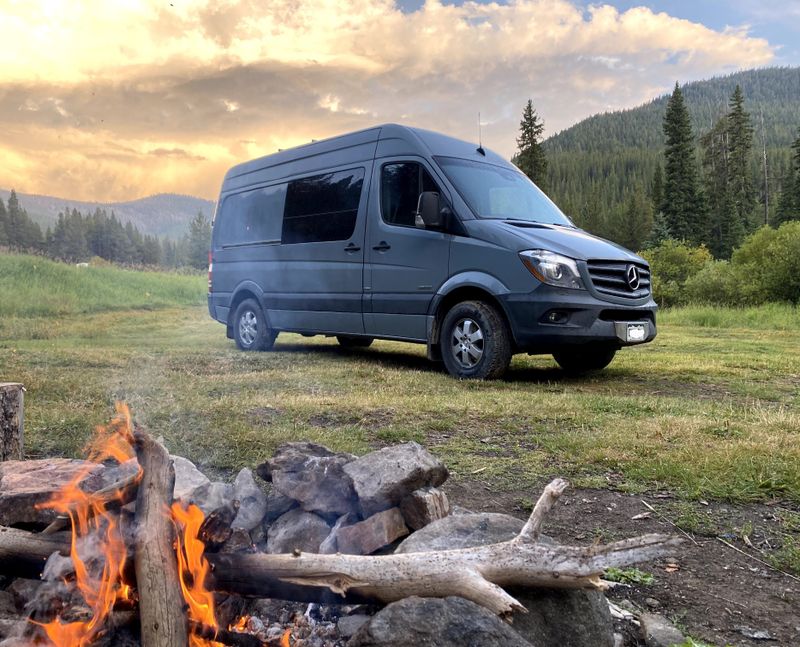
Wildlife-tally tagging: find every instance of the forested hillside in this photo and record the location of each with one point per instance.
(602, 167)
(165, 214)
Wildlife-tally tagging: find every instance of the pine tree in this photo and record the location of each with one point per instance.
(725, 229)
(530, 157)
(789, 205)
(683, 208)
(3, 224)
(657, 188)
(198, 241)
(633, 225)
(740, 138)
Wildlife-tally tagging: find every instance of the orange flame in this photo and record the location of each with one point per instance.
(193, 569)
(285, 638)
(88, 515)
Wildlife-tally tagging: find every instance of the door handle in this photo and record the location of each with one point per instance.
(382, 246)
(352, 247)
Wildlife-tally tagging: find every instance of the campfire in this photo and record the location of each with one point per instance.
(130, 557)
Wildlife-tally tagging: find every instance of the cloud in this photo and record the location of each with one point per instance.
(185, 91)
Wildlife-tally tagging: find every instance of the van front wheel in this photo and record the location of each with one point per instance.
(584, 359)
(475, 341)
(250, 329)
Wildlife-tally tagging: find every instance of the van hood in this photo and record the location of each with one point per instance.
(574, 243)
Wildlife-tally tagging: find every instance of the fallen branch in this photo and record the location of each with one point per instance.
(476, 574)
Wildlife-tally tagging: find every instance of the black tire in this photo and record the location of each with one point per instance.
(249, 327)
(467, 356)
(584, 359)
(354, 342)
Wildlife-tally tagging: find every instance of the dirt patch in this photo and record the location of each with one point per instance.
(371, 420)
(715, 594)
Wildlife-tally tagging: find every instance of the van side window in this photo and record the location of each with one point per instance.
(252, 217)
(401, 184)
(323, 207)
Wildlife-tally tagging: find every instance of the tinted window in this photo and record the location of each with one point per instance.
(323, 207)
(252, 217)
(401, 185)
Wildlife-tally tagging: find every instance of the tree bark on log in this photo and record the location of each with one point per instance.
(11, 421)
(161, 604)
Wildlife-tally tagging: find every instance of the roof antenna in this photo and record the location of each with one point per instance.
(480, 144)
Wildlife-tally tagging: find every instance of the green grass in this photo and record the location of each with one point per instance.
(706, 412)
(31, 286)
(773, 316)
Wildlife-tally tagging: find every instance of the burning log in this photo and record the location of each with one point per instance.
(472, 573)
(161, 604)
(232, 638)
(112, 497)
(11, 421)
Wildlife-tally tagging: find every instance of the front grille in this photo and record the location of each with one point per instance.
(611, 278)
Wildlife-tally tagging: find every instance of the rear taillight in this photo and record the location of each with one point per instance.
(210, 270)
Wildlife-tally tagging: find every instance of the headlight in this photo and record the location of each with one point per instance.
(553, 269)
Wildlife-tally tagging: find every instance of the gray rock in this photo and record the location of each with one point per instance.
(278, 504)
(555, 617)
(443, 622)
(252, 501)
(349, 625)
(424, 506)
(312, 475)
(564, 617)
(25, 484)
(211, 496)
(383, 478)
(375, 532)
(657, 631)
(297, 530)
(188, 479)
(462, 531)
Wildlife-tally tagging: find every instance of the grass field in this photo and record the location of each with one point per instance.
(709, 410)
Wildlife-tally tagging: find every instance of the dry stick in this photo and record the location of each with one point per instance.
(111, 497)
(669, 521)
(756, 559)
(161, 604)
(475, 573)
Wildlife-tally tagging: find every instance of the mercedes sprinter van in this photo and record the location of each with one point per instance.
(406, 234)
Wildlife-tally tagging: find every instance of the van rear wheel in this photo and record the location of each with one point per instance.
(584, 359)
(475, 341)
(354, 342)
(250, 329)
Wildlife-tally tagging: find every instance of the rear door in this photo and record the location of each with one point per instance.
(404, 265)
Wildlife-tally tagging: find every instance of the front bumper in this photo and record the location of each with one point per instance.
(581, 318)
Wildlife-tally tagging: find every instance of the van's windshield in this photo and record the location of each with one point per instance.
(500, 192)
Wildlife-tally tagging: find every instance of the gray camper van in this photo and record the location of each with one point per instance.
(406, 234)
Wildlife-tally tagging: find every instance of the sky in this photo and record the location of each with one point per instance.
(112, 100)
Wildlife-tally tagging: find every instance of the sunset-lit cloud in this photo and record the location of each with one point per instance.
(115, 99)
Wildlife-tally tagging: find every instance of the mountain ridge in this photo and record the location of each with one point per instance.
(161, 214)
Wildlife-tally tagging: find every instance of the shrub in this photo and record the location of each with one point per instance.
(768, 264)
(718, 282)
(672, 263)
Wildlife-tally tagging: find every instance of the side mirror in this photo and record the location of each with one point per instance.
(429, 213)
